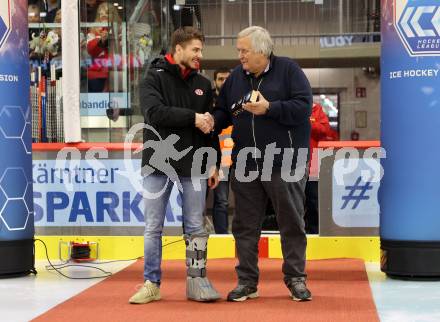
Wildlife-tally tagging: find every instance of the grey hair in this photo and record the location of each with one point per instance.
(260, 39)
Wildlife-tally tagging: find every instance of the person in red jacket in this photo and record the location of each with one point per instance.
(98, 48)
(320, 130)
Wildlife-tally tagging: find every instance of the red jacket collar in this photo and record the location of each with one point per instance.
(184, 72)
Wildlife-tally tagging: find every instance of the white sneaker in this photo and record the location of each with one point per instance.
(147, 293)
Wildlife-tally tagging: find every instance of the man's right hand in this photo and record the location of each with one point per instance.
(204, 122)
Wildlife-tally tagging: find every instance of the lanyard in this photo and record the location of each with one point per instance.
(259, 83)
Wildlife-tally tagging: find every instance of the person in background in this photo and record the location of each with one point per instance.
(100, 47)
(320, 129)
(220, 76)
(221, 193)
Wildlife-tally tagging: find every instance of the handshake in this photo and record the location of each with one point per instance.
(204, 122)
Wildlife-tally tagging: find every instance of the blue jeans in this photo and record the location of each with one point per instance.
(193, 206)
(220, 208)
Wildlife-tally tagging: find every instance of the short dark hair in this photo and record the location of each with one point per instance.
(221, 71)
(183, 35)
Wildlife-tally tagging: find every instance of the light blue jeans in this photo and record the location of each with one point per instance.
(193, 206)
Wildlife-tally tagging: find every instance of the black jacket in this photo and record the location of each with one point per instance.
(287, 122)
(169, 104)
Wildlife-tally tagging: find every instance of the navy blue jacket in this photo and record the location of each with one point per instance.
(286, 123)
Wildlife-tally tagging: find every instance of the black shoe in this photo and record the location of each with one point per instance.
(298, 289)
(242, 293)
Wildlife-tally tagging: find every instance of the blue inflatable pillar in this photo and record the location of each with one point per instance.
(410, 133)
(16, 195)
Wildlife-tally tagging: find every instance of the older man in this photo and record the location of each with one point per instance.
(271, 139)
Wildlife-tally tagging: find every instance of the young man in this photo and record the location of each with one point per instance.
(221, 193)
(175, 101)
(277, 119)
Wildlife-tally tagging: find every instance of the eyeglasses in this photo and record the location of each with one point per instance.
(243, 52)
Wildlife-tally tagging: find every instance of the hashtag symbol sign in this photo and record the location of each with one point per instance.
(353, 196)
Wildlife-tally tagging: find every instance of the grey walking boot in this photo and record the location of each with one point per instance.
(198, 286)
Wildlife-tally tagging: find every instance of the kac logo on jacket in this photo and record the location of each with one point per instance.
(418, 25)
(5, 20)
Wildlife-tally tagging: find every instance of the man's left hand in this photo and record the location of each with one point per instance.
(213, 179)
(258, 108)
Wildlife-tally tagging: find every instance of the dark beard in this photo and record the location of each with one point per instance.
(186, 64)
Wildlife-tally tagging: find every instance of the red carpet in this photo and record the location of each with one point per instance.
(340, 293)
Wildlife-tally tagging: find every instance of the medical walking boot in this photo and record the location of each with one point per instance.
(198, 286)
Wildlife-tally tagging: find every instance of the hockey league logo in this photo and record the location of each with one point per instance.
(5, 20)
(418, 25)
